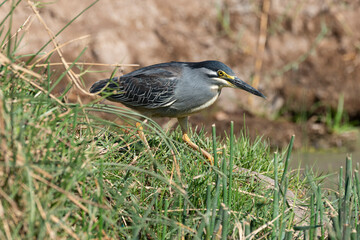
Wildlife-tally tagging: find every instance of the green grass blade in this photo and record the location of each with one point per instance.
(231, 162)
(275, 231)
(214, 145)
(312, 232)
(320, 208)
(340, 198)
(225, 223)
(287, 159)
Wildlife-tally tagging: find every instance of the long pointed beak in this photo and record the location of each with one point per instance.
(237, 82)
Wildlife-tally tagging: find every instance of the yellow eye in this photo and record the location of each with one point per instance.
(221, 73)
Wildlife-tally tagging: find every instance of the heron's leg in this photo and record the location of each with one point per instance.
(141, 134)
(183, 121)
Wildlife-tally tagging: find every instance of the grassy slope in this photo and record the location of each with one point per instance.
(68, 172)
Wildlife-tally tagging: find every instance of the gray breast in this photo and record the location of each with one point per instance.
(194, 93)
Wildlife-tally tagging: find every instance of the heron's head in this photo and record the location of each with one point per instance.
(221, 76)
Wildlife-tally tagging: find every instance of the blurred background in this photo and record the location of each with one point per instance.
(303, 55)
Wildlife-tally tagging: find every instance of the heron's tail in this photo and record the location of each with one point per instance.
(107, 85)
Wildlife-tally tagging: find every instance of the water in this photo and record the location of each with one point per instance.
(325, 163)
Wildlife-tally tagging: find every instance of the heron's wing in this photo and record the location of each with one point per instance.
(148, 88)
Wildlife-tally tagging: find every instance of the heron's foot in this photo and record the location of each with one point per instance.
(209, 157)
(141, 134)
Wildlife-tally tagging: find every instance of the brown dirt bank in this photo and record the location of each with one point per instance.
(279, 132)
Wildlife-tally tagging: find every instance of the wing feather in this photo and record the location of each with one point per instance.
(147, 88)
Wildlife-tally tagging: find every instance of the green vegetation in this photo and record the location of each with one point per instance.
(339, 122)
(67, 173)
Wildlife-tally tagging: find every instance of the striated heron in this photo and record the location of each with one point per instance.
(174, 89)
